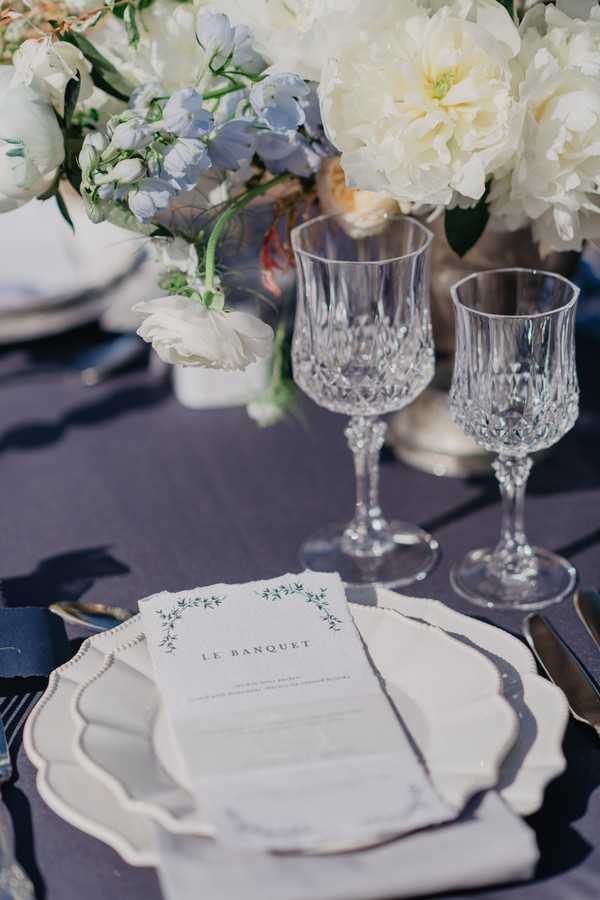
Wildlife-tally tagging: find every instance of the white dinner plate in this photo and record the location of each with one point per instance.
(536, 757)
(83, 800)
(448, 695)
(69, 790)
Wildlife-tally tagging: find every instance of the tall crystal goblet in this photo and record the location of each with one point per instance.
(514, 391)
(363, 347)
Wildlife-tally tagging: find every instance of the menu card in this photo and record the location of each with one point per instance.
(287, 735)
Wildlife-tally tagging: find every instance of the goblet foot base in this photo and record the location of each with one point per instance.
(412, 555)
(474, 580)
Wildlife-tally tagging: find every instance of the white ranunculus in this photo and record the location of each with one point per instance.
(31, 143)
(47, 66)
(422, 103)
(186, 332)
(555, 179)
(293, 35)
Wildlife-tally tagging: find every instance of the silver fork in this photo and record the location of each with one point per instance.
(14, 883)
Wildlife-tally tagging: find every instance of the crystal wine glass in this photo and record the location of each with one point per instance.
(514, 391)
(363, 347)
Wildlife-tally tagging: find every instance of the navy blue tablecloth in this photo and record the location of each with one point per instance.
(114, 492)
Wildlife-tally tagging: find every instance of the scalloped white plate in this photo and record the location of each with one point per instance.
(86, 803)
(448, 695)
(536, 757)
(69, 790)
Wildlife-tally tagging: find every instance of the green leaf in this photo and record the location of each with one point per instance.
(16, 151)
(118, 10)
(73, 145)
(51, 190)
(63, 210)
(106, 85)
(71, 98)
(104, 75)
(508, 6)
(464, 227)
(131, 25)
(161, 231)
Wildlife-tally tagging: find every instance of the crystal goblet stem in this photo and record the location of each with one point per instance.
(368, 534)
(513, 555)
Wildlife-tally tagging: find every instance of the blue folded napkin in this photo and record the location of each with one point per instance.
(33, 642)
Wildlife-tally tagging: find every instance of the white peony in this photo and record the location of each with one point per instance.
(293, 35)
(555, 179)
(186, 332)
(168, 51)
(31, 143)
(47, 66)
(421, 104)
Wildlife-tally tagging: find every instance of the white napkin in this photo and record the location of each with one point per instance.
(487, 845)
(287, 736)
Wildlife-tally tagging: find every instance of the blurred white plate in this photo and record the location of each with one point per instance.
(52, 279)
(447, 694)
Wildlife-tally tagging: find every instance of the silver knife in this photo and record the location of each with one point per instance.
(564, 669)
(587, 604)
(14, 883)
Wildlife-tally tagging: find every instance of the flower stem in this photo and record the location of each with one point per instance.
(222, 92)
(225, 217)
(280, 334)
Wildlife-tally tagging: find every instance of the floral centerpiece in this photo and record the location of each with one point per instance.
(169, 118)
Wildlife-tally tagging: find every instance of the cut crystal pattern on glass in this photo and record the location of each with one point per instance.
(514, 391)
(363, 347)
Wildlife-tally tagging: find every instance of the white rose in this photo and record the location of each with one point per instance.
(363, 213)
(186, 332)
(554, 181)
(31, 143)
(293, 35)
(421, 104)
(47, 66)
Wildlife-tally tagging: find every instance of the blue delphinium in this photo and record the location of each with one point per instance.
(183, 163)
(184, 115)
(149, 196)
(232, 143)
(242, 114)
